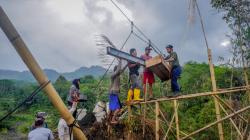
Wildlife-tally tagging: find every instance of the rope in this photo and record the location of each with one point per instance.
(103, 76)
(156, 49)
(34, 93)
(71, 128)
(202, 24)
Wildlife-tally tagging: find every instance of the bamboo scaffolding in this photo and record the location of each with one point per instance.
(216, 122)
(169, 128)
(225, 91)
(231, 120)
(231, 108)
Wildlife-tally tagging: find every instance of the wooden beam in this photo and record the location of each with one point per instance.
(216, 122)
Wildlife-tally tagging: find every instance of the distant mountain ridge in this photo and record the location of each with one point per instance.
(96, 71)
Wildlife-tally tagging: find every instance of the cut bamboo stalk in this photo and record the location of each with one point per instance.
(21, 48)
(216, 122)
(157, 124)
(176, 120)
(231, 120)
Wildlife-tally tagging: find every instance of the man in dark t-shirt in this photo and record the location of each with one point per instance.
(172, 58)
(134, 91)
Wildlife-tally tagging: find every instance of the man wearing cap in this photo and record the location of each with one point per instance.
(172, 58)
(148, 76)
(40, 133)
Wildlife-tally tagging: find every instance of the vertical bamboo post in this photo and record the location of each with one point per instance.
(157, 118)
(217, 109)
(129, 121)
(176, 120)
(220, 129)
(21, 48)
(145, 109)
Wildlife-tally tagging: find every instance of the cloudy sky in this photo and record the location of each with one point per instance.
(61, 34)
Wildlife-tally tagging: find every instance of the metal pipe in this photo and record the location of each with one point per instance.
(21, 48)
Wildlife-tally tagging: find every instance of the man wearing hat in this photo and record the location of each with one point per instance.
(40, 133)
(148, 76)
(172, 58)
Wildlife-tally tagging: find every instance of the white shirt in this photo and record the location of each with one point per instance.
(63, 130)
(40, 133)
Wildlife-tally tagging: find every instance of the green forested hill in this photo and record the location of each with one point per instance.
(193, 113)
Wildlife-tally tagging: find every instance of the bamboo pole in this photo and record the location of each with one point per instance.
(216, 122)
(129, 121)
(231, 120)
(21, 48)
(176, 120)
(169, 128)
(233, 91)
(145, 108)
(217, 109)
(157, 124)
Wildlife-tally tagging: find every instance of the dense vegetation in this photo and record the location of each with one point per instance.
(193, 113)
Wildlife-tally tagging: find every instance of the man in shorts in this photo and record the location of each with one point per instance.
(148, 76)
(114, 102)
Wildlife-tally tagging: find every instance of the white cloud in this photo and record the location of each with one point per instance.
(116, 13)
(225, 43)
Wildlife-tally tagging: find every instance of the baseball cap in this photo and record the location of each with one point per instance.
(169, 46)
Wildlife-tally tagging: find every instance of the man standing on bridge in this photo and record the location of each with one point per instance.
(172, 58)
(114, 102)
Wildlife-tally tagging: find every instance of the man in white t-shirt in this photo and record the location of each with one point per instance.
(63, 129)
(40, 133)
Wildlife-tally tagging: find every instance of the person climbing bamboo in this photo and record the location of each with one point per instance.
(172, 58)
(135, 88)
(148, 76)
(114, 102)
